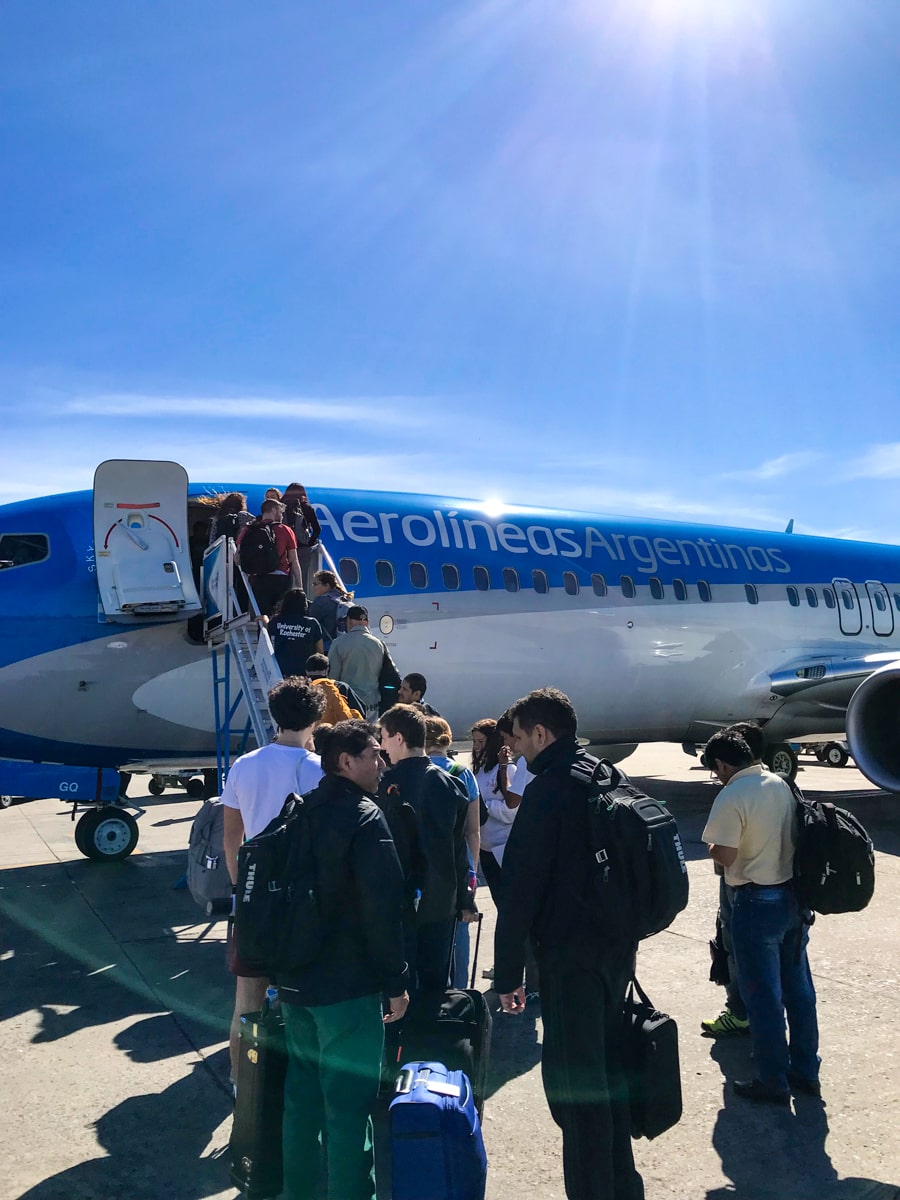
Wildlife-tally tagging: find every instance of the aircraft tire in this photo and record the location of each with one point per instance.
(195, 787)
(5, 801)
(106, 834)
(836, 755)
(782, 759)
(155, 787)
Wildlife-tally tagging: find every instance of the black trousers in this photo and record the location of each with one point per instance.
(584, 1078)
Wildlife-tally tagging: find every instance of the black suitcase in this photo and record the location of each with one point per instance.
(452, 1027)
(652, 1066)
(255, 1147)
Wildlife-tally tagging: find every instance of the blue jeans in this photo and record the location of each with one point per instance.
(733, 996)
(770, 940)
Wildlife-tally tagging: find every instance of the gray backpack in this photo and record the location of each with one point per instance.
(207, 872)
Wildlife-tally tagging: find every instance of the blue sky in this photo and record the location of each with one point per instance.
(635, 256)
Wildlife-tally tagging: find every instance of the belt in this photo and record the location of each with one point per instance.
(754, 887)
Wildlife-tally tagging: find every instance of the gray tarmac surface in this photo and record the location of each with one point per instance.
(114, 1005)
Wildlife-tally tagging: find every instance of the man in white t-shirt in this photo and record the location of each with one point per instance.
(254, 793)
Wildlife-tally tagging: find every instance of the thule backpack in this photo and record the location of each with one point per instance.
(834, 859)
(277, 924)
(258, 549)
(640, 880)
(207, 873)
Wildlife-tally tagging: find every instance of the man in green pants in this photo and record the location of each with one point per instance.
(333, 1008)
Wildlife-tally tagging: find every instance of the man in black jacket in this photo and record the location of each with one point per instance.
(333, 1007)
(437, 863)
(584, 973)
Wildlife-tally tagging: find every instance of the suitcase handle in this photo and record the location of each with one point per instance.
(404, 1082)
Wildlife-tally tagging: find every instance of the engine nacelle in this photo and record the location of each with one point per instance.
(873, 727)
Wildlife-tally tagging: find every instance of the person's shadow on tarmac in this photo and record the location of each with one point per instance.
(153, 1142)
(770, 1153)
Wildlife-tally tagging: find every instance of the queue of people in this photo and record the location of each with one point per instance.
(404, 813)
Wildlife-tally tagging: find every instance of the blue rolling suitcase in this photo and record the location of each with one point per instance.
(437, 1151)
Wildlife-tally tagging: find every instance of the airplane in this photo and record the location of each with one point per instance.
(658, 630)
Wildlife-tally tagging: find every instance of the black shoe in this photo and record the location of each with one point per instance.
(755, 1089)
(799, 1083)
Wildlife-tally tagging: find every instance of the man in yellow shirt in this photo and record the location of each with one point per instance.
(750, 833)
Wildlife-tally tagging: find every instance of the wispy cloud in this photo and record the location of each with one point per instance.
(386, 410)
(777, 468)
(879, 462)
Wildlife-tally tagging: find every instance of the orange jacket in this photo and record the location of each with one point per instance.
(336, 707)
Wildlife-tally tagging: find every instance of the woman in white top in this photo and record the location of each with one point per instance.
(493, 774)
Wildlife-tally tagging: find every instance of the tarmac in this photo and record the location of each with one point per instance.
(115, 1001)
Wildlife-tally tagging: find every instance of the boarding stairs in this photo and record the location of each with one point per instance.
(243, 661)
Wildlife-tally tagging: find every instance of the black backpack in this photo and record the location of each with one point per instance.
(640, 883)
(227, 525)
(277, 924)
(834, 859)
(258, 550)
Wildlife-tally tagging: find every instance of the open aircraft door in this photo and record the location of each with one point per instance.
(141, 541)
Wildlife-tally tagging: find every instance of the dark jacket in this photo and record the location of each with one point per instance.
(441, 804)
(360, 890)
(546, 872)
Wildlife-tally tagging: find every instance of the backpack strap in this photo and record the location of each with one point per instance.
(598, 775)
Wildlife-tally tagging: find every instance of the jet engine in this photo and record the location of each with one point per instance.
(873, 727)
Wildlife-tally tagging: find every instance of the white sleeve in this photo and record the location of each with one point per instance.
(230, 790)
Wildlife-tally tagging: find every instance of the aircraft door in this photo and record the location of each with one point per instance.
(848, 606)
(141, 541)
(882, 612)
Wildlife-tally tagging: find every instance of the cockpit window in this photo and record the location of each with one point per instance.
(23, 549)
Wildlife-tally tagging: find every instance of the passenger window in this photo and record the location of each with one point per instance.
(679, 587)
(511, 579)
(793, 597)
(23, 549)
(384, 572)
(879, 601)
(348, 568)
(704, 591)
(751, 593)
(656, 588)
(846, 599)
(540, 582)
(450, 576)
(482, 578)
(418, 575)
(897, 601)
(598, 583)
(627, 585)
(828, 597)
(570, 583)
(811, 598)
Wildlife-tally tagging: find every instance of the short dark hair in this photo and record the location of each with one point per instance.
(504, 723)
(408, 722)
(417, 683)
(727, 747)
(752, 735)
(347, 737)
(295, 704)
(356, 612)
(548, 707)
(269, 506)
(317, 664)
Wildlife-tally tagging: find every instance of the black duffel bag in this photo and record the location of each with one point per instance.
(651, 1065)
